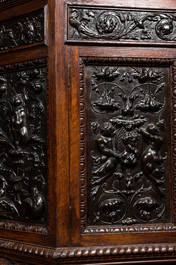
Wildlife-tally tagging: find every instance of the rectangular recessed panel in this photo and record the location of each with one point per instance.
(92, 24)
(23, 30)
(23, 142)
(127, 110)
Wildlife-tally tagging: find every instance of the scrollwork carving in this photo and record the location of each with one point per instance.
(22, 31)
(121, 25)
(127, 155)
(23, 132)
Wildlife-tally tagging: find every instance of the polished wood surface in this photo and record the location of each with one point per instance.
(93, 136)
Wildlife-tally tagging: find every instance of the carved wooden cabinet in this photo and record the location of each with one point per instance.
(87, 132)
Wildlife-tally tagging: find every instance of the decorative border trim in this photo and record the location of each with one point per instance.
(122, 60)
(134, 229)
(173, 137)
(83, 191)
(24, 228)
(115, 251)
(7, 224)
(89, 252)
(22, 65)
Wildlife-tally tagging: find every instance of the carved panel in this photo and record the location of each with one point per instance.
(98, 24)
(23, 143)
(125, 144)
(20, 31)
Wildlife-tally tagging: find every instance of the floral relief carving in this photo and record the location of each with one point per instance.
(115, 24)
(23, 161)
(127, 154)
(22, 31)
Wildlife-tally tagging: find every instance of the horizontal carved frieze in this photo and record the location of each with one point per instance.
(21, 31)
(120, 25)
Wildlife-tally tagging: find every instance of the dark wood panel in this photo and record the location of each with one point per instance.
(79, 206)
(127, 113)
(23, 31)
(99, 25)
(109, 84)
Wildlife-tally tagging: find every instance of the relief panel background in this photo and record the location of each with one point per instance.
(23, 143)
(127, 144)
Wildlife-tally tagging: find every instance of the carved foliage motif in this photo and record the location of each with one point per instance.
(128, 151)
(114, 24)
(22, 31)
(23, 129)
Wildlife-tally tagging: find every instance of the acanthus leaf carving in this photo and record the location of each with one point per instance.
(121, 25)
(127, 155)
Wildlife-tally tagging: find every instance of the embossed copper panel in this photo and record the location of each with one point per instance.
(128, 139)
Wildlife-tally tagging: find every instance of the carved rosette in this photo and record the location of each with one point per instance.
(93, 24)
(23, 144)
(126, 163)
(21, 31)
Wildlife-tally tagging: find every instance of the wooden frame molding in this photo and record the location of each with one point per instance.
(78, 253)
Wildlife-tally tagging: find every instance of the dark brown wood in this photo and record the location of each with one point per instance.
(87, 132)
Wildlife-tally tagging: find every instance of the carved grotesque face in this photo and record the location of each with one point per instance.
(28, 30)
(17, 100)
(130, 138)
(107, 129)
(37, 87)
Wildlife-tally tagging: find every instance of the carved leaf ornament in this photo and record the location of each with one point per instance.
(127, 154)
(101, 24)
